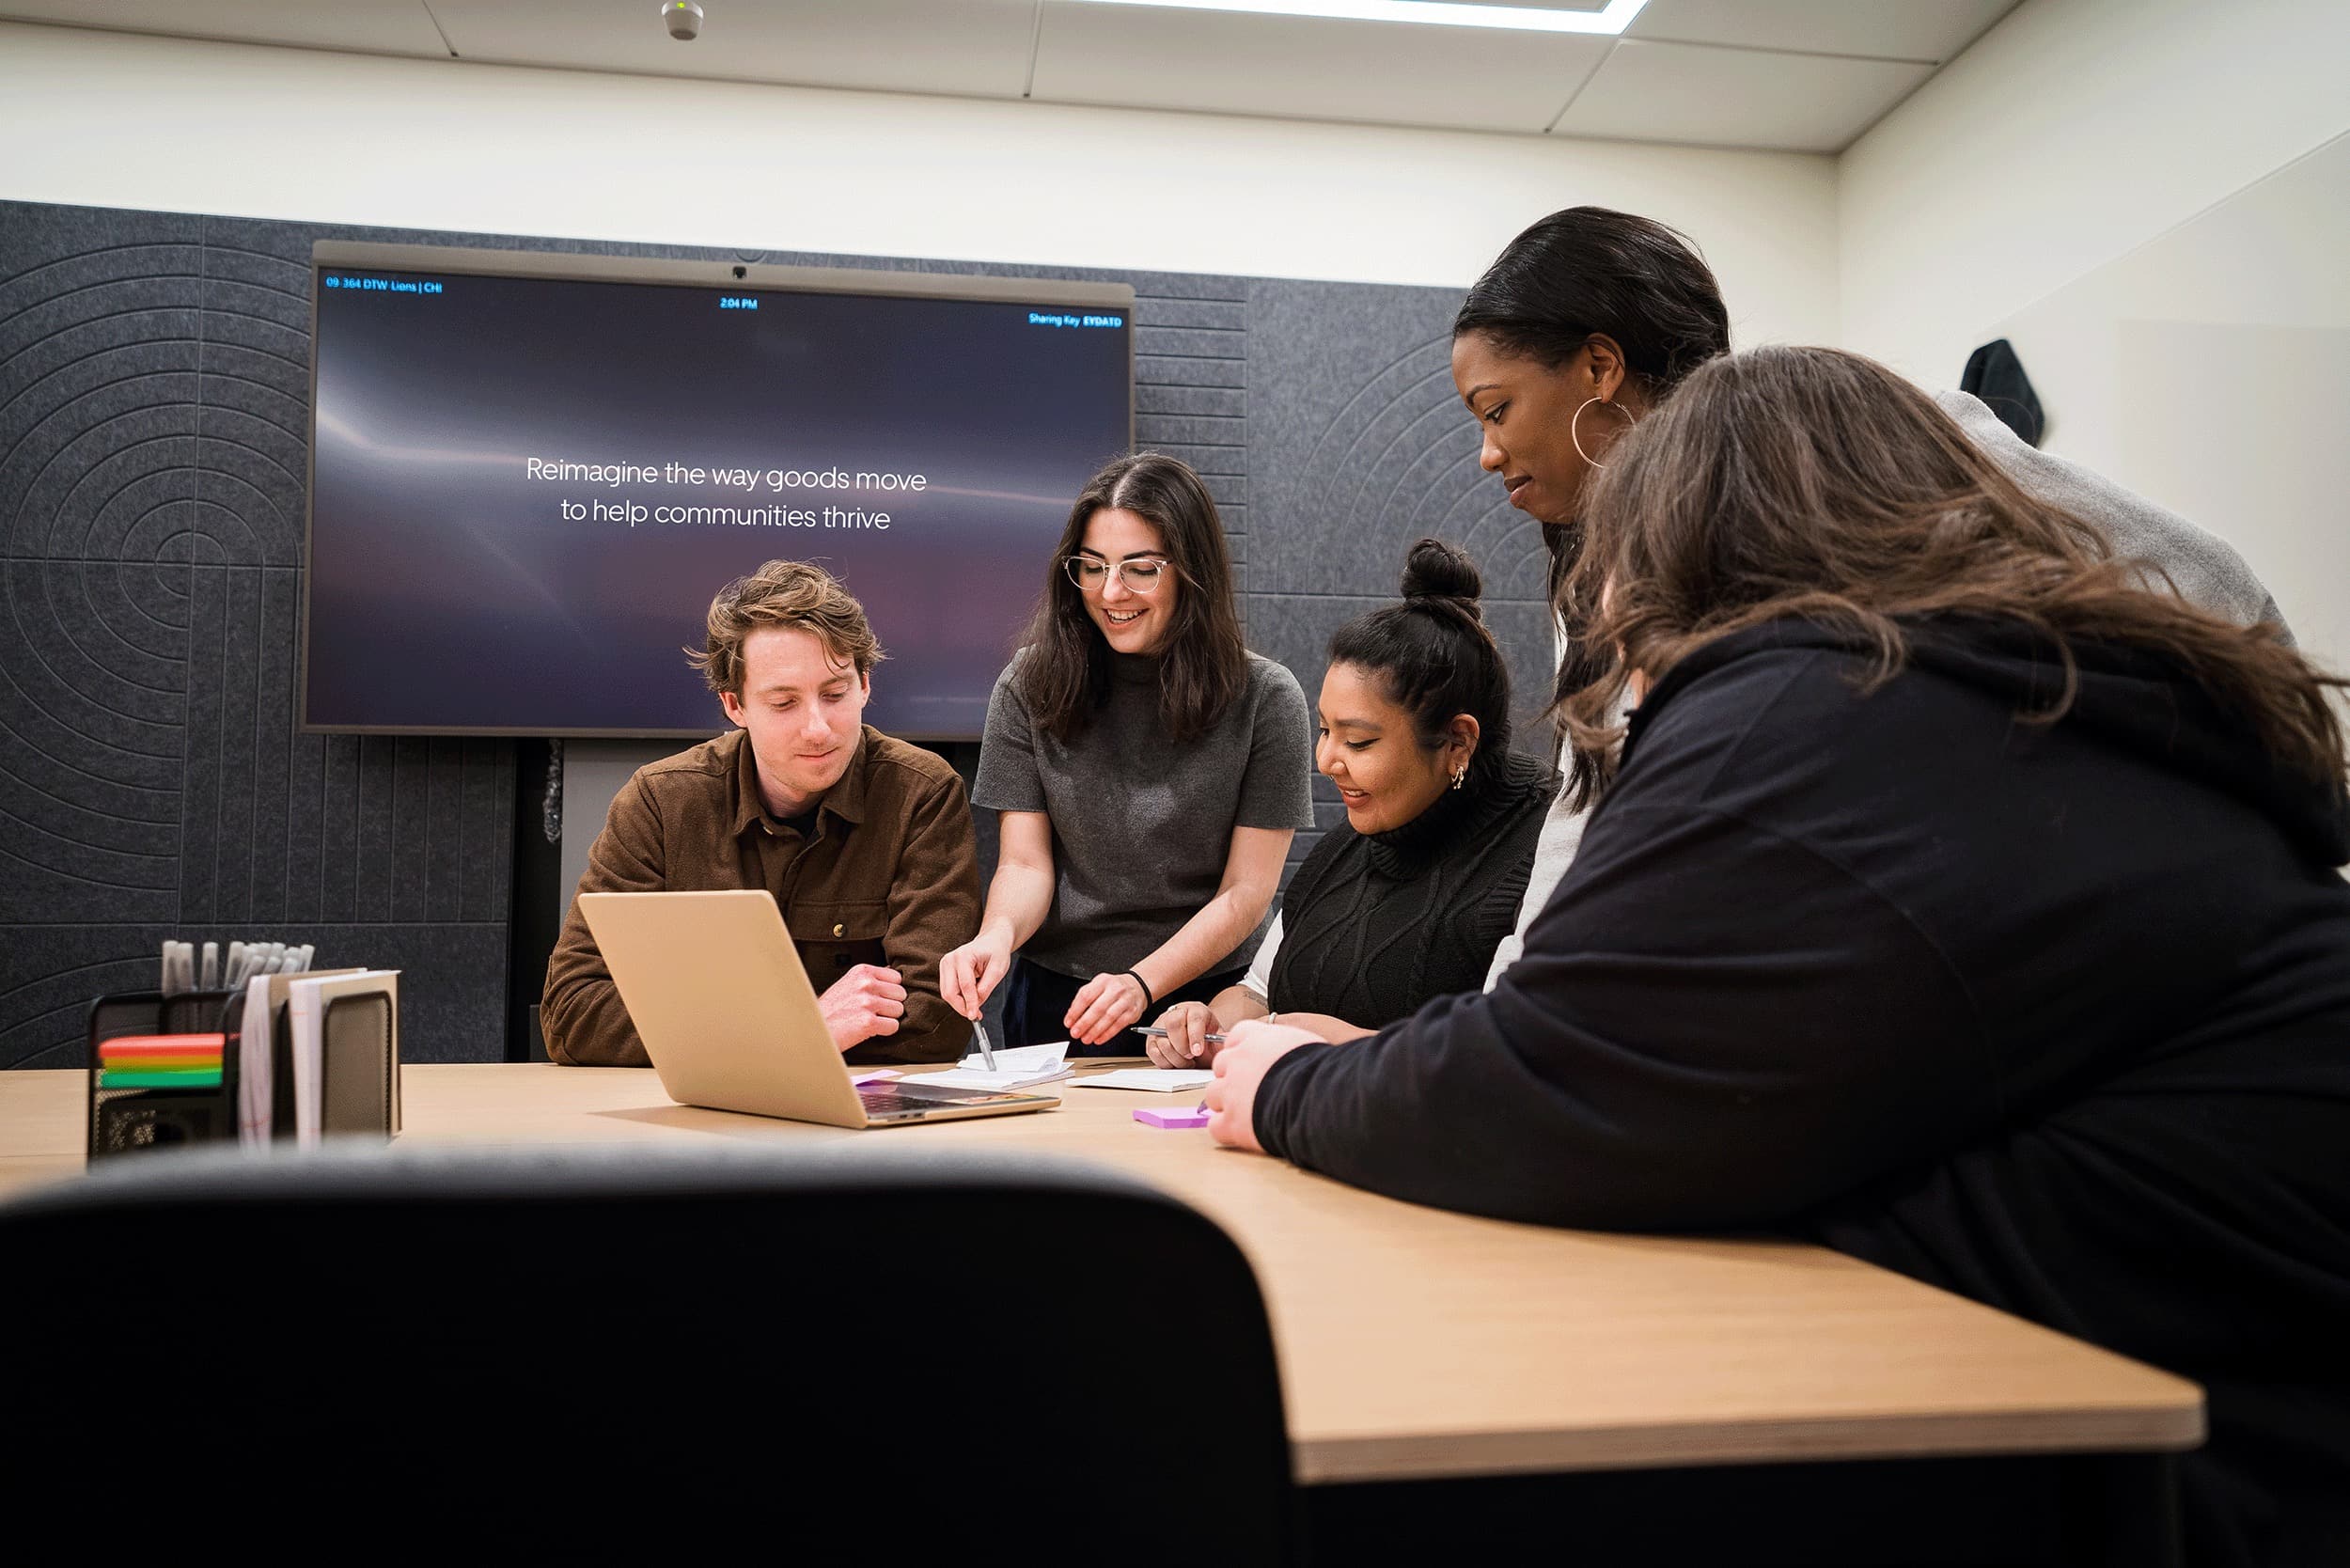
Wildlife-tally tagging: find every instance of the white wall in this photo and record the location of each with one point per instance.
(2151, 198)
(2072, 133)
(2210, 368)
(116, 120)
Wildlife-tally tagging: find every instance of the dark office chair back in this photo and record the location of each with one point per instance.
(904, 1358)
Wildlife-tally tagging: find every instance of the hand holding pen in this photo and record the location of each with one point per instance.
(1186, 1035)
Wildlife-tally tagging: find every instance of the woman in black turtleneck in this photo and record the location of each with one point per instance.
(1408, 900)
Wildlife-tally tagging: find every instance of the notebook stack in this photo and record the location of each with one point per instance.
(161, 1061)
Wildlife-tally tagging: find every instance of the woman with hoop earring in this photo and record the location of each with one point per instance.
(1585, 322)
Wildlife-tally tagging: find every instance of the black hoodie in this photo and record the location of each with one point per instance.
(2056, 1017)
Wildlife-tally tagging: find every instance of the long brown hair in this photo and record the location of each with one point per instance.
(1798, 482)
(1204, 663)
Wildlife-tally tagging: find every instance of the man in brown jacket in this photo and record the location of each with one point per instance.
(865, 841)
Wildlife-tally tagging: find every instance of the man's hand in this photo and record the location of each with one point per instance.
(1105, 1005)
(1240, 1067)
(867, 1001)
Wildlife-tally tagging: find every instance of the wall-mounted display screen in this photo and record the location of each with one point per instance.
(526, 489)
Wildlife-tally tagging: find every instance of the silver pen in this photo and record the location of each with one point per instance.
(979, 1027)
(1154, 1028)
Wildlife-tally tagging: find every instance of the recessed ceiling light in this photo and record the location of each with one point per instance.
(1611, 19)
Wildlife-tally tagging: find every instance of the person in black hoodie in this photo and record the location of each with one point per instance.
(1957, 900)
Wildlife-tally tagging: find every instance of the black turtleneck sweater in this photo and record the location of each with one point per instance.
(1373, 925)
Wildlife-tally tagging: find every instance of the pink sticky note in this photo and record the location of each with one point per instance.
(1189, 1115)
(876, 1076)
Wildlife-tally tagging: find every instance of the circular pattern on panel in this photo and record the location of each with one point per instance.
(99, 362)
(1399, 462)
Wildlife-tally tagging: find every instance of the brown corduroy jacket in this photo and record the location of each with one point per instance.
(891, 876)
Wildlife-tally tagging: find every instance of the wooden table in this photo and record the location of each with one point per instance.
(1415, 1343)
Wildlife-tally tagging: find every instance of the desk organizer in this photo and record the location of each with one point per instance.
(359, 1092)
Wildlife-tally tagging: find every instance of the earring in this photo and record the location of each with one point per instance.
(1577, 421)
(1458, 775)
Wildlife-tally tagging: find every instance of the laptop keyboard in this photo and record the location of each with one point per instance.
(885, 1099)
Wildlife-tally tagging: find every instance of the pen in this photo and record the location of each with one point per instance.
(987, 1056)
(1154, 1028)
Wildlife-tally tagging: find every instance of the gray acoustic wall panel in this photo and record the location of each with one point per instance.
(153, 376)
(1359, 445)
(154, 382)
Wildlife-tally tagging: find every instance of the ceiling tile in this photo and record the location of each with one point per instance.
(1680, 92)
(1931, 30)
(1395, 73)
(973, 47)
(371, 26)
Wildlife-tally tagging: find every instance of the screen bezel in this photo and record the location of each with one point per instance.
(559, 267)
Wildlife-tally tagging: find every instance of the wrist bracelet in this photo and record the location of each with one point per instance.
(1149, 1001)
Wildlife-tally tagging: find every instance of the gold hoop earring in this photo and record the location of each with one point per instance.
(1572, 434)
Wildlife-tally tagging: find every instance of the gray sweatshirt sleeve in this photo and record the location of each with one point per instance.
(2206, 570)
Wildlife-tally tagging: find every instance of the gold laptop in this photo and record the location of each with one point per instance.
(718, 996)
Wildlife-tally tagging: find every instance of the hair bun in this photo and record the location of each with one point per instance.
(1434, 570)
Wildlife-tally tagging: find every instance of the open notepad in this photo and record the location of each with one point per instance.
(1016, 1068)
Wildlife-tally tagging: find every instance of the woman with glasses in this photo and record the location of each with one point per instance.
(1407, 901)
(1150, 770)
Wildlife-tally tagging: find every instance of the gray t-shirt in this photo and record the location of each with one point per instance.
(1141, 823)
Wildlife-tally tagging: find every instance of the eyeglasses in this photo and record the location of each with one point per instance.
(1092, 574)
